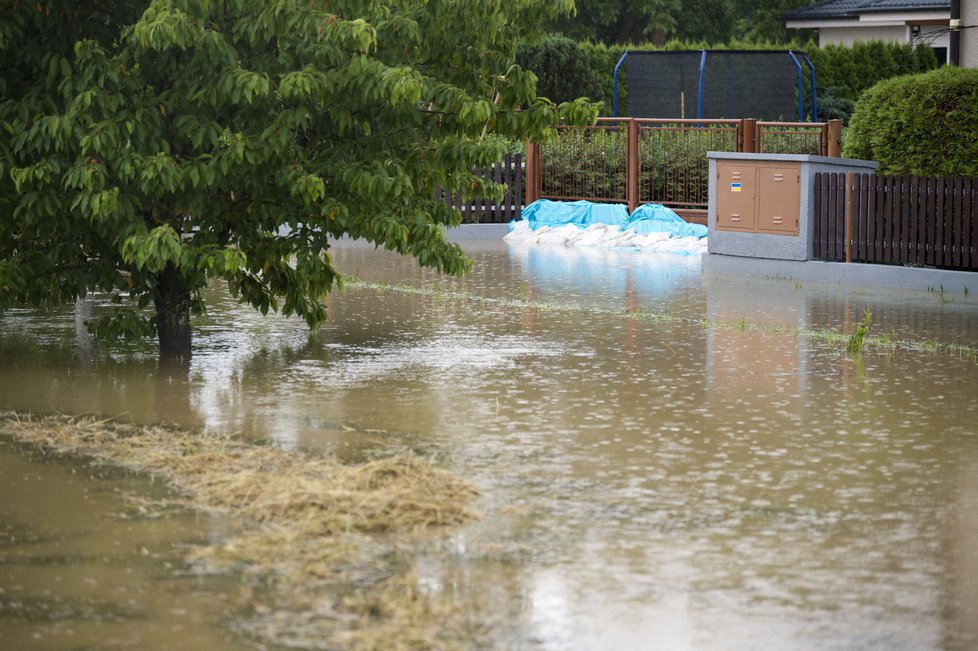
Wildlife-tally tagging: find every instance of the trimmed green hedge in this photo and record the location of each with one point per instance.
(922, 124)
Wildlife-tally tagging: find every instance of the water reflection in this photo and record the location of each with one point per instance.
(680, 482)
(80, 568)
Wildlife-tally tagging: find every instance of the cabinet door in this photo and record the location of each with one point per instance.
(735, 196)
(777, 200)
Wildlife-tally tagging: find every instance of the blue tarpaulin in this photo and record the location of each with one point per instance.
(656, 218)
(544, 212)
(651, 228)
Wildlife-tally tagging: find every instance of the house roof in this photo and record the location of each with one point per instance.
(829, 9)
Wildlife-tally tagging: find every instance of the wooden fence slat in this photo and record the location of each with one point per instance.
(840, 211)
(870, 216)
(496, 213)
(858, 219)
(906, 220)
(916, 216)
(968, 239)
(856, 204)
(817, 226)
(941, 196)
(827, 203)
(958, 241)
(931, 225)
(953, 210)
(895, 221)
(886, 209)
(878, 217)
(518, 185)
(876, 200)
(903, 223)
(840, 208)
(831, 217)
(866, 215)
(861, 220)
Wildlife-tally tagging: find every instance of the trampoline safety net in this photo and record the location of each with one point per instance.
(736, 84)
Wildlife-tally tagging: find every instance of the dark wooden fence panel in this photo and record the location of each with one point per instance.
(484, 211)
(904, 220)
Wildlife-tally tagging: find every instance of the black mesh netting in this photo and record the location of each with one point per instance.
(762, 85)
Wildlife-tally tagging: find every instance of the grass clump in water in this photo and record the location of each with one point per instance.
(317, 538)
(858, 335)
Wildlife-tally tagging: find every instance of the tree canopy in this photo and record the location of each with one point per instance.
(655, 21)
(150, 147)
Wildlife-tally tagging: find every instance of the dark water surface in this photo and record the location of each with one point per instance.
(666, 461)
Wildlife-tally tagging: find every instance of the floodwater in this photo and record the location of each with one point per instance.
(666, 461)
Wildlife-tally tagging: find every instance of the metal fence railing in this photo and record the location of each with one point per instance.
(634, 160)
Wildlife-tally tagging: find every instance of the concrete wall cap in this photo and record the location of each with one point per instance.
(868, 165)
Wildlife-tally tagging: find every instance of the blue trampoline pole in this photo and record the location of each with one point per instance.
(801, 98)
(811, 68)
(699, 92)
(614, 102)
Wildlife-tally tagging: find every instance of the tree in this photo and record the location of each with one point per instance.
(655, 21)
(149, 148)
(712, 21)
(763, 21)
(622, 21)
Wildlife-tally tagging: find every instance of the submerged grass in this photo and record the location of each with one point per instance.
(315, 536)
(832, 338)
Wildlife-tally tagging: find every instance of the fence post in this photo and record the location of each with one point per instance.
(532, 172)
(850, 183)
(834, 129)
(747, 135)
(632, 178)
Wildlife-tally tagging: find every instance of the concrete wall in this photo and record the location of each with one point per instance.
(963, 284)
(969, 37)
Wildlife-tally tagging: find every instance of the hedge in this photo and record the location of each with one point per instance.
(921, 124)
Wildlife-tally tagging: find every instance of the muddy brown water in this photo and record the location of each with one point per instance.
(723, 476)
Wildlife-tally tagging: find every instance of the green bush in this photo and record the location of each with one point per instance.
(921, 124)
(562, 67)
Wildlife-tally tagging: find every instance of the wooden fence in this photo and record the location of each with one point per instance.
(485, 211)
(905, 220)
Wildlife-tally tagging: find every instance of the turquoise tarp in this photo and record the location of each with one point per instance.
(648, 218)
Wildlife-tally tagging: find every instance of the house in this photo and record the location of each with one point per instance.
(843, 22)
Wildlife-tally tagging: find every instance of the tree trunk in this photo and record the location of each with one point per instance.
(172, 313)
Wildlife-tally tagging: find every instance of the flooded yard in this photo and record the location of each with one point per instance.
(665, 460)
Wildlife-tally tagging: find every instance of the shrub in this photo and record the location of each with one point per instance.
(920, 124)
(833, 104)
(562, 67)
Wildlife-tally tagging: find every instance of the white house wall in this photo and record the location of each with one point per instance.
(849, 35)
(934, 36)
